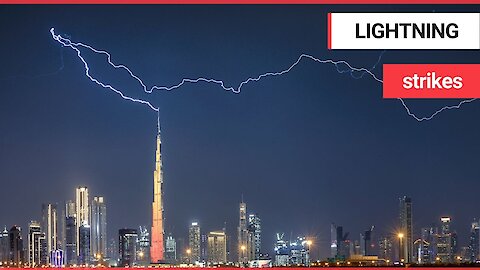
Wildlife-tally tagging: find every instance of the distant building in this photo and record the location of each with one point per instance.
(98, 239)
(217, 247)
(16, 246)
(36, 245)
(127, 242)
(428, 249)
(406, 229)
(474, 241)
(170, 249)
(84, 245)
(385, 249)
(445, 242)
(112, 252)
(300, 252)
(339, 244)
(82, 214)
(367, 246)
(194, 242)
(243, 235)
(255, 228)
(70, 241)
(143, 246)
(50, 227)
(282, 251)
(4, 246)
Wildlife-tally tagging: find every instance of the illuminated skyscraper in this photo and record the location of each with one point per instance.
(217, 247)
(98, 228)
(36, 245)
(170, 249)
(406, 229)
(194, 241)
(4, 246)
(81, 212)
(255, 228)
(50, 226)
(474, 241)
(143, 246)
(157, 248)
(243, 234)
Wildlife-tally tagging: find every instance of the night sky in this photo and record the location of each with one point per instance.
(305, 149)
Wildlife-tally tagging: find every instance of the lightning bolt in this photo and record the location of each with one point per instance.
(339, 64)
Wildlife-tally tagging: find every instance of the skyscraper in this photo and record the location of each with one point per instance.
(170, 249)
(255, 228)
(428, 250)
(406, 229)
(98, 228)
(385, 249)
(474, 241)
(143, 246)
(50, 226)
(84, 245)
(36, 245)
(16, 246)
(243, 234)
(339, 244)
(4, 246)
(70, 240)
(127, 242)
(157, 248)
(366, 244)
(445, 242)
(81, 212)
(217, 247)
(194, 241)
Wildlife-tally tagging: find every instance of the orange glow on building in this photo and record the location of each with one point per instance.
(157, 247)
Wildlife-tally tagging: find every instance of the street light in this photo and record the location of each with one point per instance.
(400, 247)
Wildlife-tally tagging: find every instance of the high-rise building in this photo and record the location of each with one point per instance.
(243, 235)
(194, 242)
(300, 252)
(366, 244)
(255, 228)
(36, 245)
(157, 248)
(82, 214)
(113, 251)
(4, 246)
(143, 246)
(98, 229)
(406, 229)
(339, 244)
(282, 251)
(170, 249)
(84, 245)
(127, 242)
(385, 249)
(70, 241)
(50, 227)
(428, 248)
(445, 242)
(474, 241)
(16, 246)
(217, 247)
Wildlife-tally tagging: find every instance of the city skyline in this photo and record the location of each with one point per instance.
(296, 137)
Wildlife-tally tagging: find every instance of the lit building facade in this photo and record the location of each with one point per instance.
(217, 247)
(143, 246)
(81, 211)
(157, 245)
(255, 228)
(70, 241)
(36, 245)
(50, 227)
(170, 250)
(83, 257)
(194, 242)
(98, 227)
